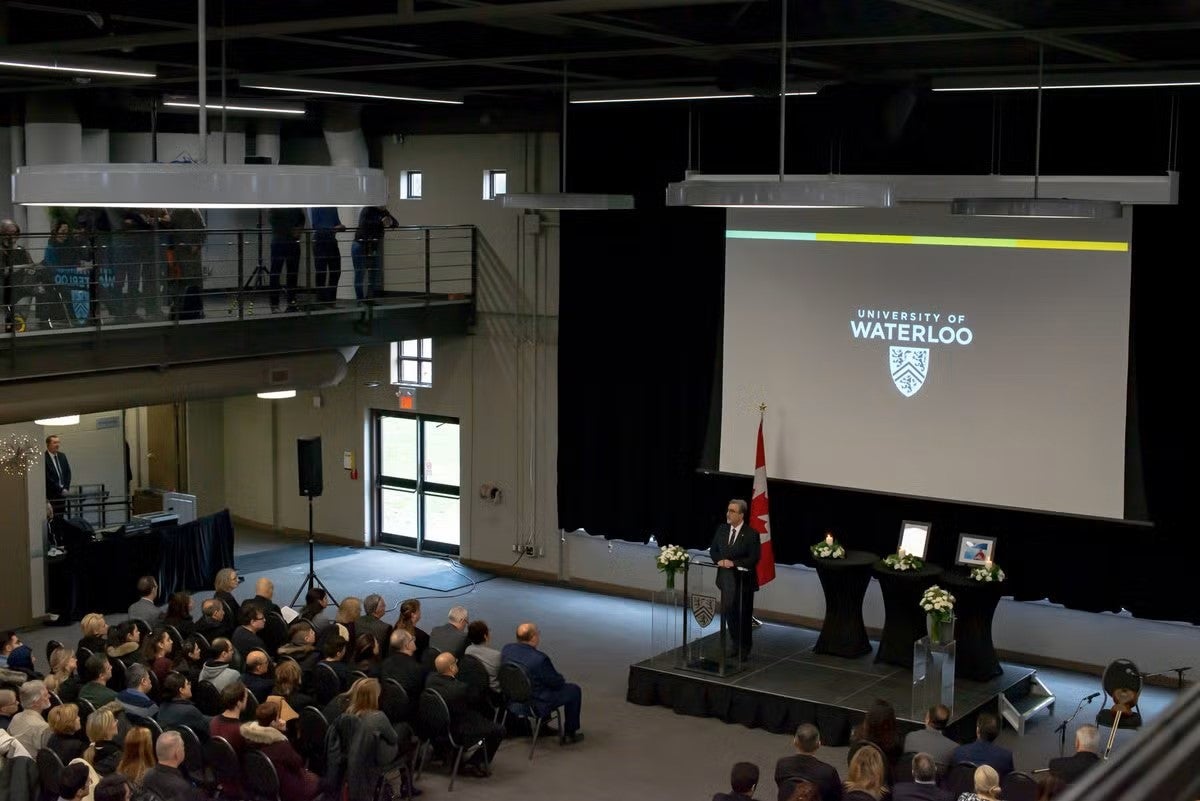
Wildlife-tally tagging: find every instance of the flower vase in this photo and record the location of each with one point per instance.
(670, 579)
(940, 631)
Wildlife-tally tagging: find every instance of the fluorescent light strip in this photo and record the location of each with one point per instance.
(88, 70)
(674, 97)
(1033, 87)
(219, 107)
(307, 91)
(944, 241)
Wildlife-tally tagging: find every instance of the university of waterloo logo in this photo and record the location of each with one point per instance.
(909, 361)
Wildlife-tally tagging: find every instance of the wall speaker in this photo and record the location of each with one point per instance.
(308, 465)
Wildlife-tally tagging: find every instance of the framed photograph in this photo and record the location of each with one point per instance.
(974, 550)
(914, 538)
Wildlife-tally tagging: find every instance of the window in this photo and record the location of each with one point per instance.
(495, 182)
(418, 481)
(410, 185)
(412, 362)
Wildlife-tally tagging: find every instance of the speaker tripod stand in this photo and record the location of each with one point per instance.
(312, 579)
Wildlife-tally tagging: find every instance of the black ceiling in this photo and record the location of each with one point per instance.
(515, 50)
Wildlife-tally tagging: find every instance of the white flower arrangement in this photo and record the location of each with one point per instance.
(988, 572)
(938, 603)
(828, 548)
(901, 561)
(672, 558)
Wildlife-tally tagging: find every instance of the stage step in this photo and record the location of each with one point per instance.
(1017, 711)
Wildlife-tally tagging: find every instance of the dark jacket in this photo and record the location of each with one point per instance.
(731, 797)
(369, 624)
(545, 679)
(245, 641)
(911, 791)
(1071, 768)
(981, 752)
(231, 616)
(212, 629)
(108, 755)
(360, 747)
(261, 686)
(446, 638)
(805, 767)
(67, 748)
(184, 713)
(170, 784)
(743, 552)
(295, 783)
(138, 704)
(408, 672)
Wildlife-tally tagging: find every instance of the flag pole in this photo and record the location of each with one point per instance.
(762, 411)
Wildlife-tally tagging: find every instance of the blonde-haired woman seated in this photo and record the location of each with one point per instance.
(866, 779)
(64, 728)
(987, 785)
(224, 584)
(103, 754)
(94, 629)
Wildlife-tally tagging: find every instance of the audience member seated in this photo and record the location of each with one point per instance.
(75, 782)
(136, 695)
(179, 614)
(177, 708)
(63, 665)
(144, 608)
(467, 724)
(246, 636)
(550, 689)
(103, 753)
(28, 725)
(9, 707)
(402, 666)
(124, 640)
(96, 673)
(335, 660)
(264, 596)
(288, 680)
(348, 613)
(301, 645)
(867, 777)
(8, 641)
(213, 622)
(1049, 786)
(371, 621)
(451, 636)
(217, 669)
(742, 781)
(228, 724)
(923, 787)
(257, 675)
(987, 785)
(479, 645)
(984, 750)
(137, 755)
(224, 584)
(410, 616)
(932, 739)
(22, 660)
(115, 787)
(878, 727)
(803, 766)
(156, 653)
(366, 724)
(316, 609)
(166, 779)
(190, 659)
(1086, 756)
(266, 733)
(64, 732)
(94, 629)
(366, 655)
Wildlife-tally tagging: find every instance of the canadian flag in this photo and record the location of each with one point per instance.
(760, 519)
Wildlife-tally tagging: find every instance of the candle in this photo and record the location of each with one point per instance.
(988, 564)
(900, 553)
(829, 539)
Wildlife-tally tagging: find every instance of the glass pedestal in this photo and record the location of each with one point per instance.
(666, 628)
(933, 675)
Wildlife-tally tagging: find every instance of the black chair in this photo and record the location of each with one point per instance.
(207, 698)
(435, 716)
(193, 751)
(55, 700)
(394, 701)
(50, 768)
(117, 680)
(82, 655)
(518, 698)
(146, 723)
(86, 708)
(1122, 683)
(222, 760)
(355, 675)
(275, 632)
(142, 626)
(960, 779)
(326, 683)
(313, 728)
(1018, 786)
(262, 782)
(50, 648)
(429, 657)
(902, 771)
(251, 707)
(473, 673)
(204, 643)
(176, 639)
(155, 686)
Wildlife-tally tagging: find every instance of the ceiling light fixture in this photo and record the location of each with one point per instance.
(185, 103)
(121, 71)
(660, 94)
(824, 192)
(369, 91)
(564, 200)
(64, 420)
(279, 394)
(1037, 207)
(1073, 80)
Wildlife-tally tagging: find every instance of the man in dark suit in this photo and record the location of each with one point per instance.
(932, 739)
(58, 475)
(246, 637)
(804, 766)
(984, 751)
(466, 723)
(1087, 741)
(923, 787)
(550, 689)
(371, 622)
(735, 549)
(451, 636)
(401, 665)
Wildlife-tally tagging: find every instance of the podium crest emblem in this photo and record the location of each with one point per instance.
(909, 368)
(704, 609)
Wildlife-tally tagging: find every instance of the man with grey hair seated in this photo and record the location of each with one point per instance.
(803, 766)
(401, 665)
(932, 739)
(923, 787)
(136, 695)
(165, 778)
(28, 726)
(1087, 745)
(451, 636)
(371, 622)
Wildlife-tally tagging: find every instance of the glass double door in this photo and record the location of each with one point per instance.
(417, 481)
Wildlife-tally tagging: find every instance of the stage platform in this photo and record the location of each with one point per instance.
(785, 684)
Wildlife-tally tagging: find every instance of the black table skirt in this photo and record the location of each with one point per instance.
(844, 582)
(102, 576)
(975, 605)
(904, 620)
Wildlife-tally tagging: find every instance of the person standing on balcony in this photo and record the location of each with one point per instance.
(12, 256)
(367, 251)
(287, 225)
(327, 256)
(187, 281)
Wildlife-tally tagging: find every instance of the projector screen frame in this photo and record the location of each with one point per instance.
(914, 543)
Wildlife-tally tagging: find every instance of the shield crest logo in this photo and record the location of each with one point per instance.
(704, 609)
(80, 304)
(909, 368)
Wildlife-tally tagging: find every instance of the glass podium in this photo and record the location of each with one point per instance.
(688, 631)
(933, 675)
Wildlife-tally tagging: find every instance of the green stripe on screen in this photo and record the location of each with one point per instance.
(940, 241)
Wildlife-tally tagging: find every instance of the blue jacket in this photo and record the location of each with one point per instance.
(545, 679)
(981, 752)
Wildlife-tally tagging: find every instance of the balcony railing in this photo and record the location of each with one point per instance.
(179, 277)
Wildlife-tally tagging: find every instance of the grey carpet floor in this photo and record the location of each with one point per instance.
(629, 751)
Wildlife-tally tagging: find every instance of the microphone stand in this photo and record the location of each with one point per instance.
(1062, 727)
